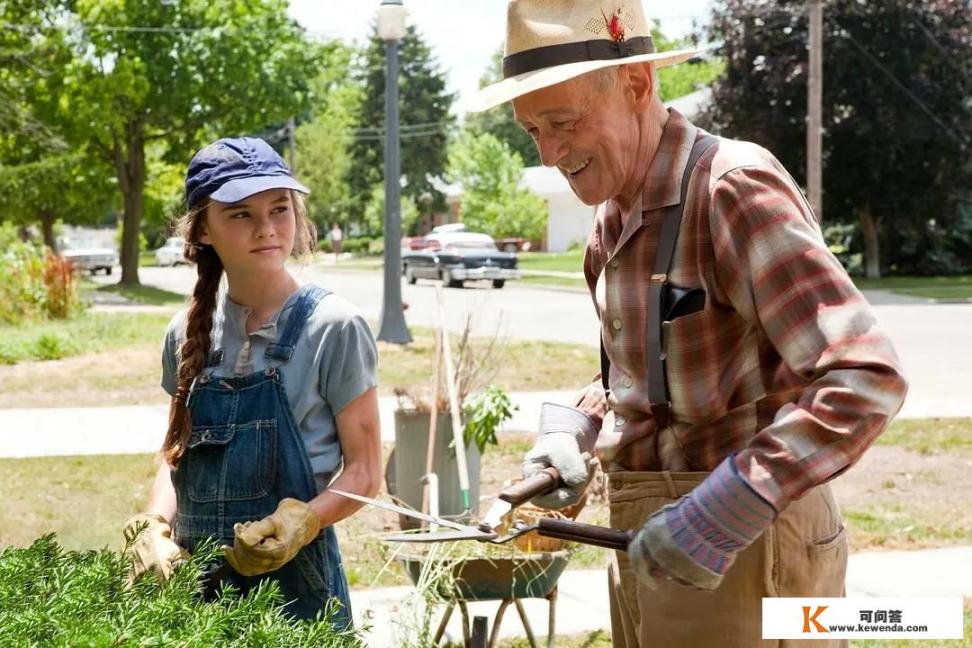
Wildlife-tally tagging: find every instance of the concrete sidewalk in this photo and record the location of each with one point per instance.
(52, 431)
(582, 604)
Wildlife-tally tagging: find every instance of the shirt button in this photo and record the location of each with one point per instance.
(615, 263)
(627, 382)
(616, 324)
(619, 421)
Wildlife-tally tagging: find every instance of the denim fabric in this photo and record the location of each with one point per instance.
(244, 456)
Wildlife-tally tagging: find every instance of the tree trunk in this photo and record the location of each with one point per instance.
(130, 168)
(870, 226)
(46, 219)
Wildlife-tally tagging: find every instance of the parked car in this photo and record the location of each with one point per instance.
(171, 252)
(89, 255)
(455, 257)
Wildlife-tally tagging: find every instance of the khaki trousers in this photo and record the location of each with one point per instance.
(802, 554)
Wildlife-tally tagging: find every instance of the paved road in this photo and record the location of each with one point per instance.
(933, 340)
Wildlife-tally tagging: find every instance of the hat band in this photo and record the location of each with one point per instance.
(539, 58)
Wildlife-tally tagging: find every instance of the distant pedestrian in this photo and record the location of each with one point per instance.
(336, 237)
(273, 394)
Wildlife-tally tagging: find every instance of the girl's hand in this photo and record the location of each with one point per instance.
(150, 546)
(268, 544)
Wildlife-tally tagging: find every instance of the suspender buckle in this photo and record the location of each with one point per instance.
(659, 278)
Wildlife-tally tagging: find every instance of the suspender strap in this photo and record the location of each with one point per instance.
(661, 406)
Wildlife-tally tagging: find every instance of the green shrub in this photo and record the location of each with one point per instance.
(52, 347)
(359, 245)
(53, 597)
(34, 282)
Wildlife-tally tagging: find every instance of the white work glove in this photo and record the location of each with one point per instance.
(566, 442)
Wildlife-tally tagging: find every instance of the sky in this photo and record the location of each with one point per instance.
(463, 34)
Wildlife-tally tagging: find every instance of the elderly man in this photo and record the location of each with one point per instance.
(741, 368)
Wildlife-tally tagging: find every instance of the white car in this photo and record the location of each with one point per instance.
(89, 255)
(171, 253)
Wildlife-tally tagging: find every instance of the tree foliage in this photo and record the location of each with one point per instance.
(181, 73)
(374, 213)
(425, 121)
(323, 143)
(897, 115)
(492, 199)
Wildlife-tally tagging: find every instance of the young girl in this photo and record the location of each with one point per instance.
(273, 393)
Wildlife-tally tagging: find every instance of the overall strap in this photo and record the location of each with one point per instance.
(665, 252)
(283, 348)
(661, 406)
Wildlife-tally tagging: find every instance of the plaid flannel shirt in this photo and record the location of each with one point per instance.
(785, 367)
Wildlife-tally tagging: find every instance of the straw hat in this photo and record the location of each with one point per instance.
(550, 41)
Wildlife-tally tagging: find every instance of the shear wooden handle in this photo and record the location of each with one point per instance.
(585, 533)
(542, 482)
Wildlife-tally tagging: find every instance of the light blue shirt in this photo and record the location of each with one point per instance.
(335, 361)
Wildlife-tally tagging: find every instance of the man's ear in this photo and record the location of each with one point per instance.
(640, 83)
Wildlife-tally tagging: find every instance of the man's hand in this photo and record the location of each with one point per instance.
(267, 545)
(566, 442)
(695, 540)
(151, 547)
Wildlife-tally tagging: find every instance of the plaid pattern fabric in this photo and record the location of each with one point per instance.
(785, 365)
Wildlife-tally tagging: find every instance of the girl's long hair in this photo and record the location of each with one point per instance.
(199, 317)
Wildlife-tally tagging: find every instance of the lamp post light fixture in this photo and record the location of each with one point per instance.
(391, 29)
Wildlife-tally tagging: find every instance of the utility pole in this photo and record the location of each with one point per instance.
(815, 107)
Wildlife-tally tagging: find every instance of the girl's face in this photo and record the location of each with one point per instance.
(254, 235)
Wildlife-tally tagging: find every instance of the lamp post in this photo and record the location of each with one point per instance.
(391, 29)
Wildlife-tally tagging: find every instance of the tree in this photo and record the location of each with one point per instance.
(374, 213)
(425, 120)
(324, 142)
(499, 121)
(492, 200)
(897, 115)
(180, 73)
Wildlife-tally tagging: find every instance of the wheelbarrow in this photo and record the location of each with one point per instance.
(507, 579)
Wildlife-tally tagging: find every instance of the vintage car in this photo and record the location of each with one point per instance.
(454, 257)
(88, 255)
(171, 253)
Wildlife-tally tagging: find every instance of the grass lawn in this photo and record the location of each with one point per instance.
(957, 287)
(85, 500)
(149, 295)
(88, 333)
(930, 436)
(118, 356)
(572, 261)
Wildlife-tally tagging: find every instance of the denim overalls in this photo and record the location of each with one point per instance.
(245, 455)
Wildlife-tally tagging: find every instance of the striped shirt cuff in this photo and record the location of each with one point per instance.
(719, 517)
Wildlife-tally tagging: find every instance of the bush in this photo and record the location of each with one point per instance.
(359, 245)
(53, 597)
(52, 347)
(34, 282)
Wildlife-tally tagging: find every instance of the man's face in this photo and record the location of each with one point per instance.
(590, 134)
(254, 235)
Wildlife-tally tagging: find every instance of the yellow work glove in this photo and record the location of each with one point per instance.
(153, 550)
(267, 545)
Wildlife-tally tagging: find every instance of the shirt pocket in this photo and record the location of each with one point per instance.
(231, 462)
(700, 351)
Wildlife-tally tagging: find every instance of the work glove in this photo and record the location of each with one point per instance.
(566, 442)
(695, 540)
(150, 546)
(267, 545)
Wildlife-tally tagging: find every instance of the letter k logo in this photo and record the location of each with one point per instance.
(808, 618)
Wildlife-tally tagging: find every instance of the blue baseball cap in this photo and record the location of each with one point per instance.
(233, 168)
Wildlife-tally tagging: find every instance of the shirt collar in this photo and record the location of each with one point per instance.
(235, 316)
(663, 181)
